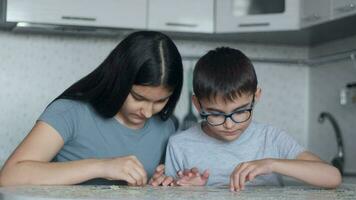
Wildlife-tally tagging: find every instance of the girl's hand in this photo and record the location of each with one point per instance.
(159, 178)
(127, 168)
(247, 171)
(192, 177)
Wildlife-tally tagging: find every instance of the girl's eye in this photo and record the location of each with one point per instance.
(162, 101)
(137, 99)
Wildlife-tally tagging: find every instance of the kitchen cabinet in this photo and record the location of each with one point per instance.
(256, 16)
(181, 15)
(343, 8)
(103, 13)
(314, 12)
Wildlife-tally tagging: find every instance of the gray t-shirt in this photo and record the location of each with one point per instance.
(194, 148)
(88, 135)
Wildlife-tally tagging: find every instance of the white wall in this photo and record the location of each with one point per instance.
(35, 68)
(326, 81)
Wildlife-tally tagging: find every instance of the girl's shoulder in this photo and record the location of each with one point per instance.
(65, 105)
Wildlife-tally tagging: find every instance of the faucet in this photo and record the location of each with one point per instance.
(338, 160)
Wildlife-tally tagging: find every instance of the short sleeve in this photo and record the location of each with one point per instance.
(288, 147)
(171, 162)
(61, 115)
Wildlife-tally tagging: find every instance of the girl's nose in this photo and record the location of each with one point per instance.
(147, 110)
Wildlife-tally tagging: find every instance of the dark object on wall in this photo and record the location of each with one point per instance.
(190, 119)
(175, 122)
(338, 161)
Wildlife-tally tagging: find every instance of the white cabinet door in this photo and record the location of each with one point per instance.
(255, 16)
(314, 12)
(101, 13)
(343, 8)
(181, 15)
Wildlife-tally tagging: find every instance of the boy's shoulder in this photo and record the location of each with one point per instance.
(264, 130)
(264, 127)
(190, 134)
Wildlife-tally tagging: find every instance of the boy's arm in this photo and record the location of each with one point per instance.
(306, 167)
(309, 168)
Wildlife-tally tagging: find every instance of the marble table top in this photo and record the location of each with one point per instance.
(345, 191)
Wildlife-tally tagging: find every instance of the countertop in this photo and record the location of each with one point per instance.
(345, 191)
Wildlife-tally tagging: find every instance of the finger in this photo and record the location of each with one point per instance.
(160, 168)
(167, 180)
(157, 174)
(187, 172)
(236, 175)
(243, 176)
(142, 173)
(252, 175)
(131, 181)
(137, 161)
(180, 174)
(139, 168)
(136, 176)
(195, 171)
(183, 182)
(232, 184)
(158, 181)
(205, 174)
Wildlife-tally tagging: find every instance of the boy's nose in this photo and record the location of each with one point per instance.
(229, 123)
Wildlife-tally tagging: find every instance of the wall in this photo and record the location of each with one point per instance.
(326, 81)
(35, 68)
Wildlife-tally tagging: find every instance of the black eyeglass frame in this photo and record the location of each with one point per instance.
(204, 115)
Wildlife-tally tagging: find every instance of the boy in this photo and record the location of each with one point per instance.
(235, 149)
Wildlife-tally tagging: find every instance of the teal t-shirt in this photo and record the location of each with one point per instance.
(88, 135)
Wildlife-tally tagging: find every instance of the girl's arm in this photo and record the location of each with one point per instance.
(306, 167)
(30, 163)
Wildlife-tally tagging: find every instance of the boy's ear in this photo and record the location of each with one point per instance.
(258, 94)
(196, 103)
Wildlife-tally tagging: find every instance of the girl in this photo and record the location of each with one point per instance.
(112, 125)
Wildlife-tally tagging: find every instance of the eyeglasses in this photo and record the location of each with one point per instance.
(217, 119)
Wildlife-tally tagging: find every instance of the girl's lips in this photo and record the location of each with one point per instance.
(139, 117)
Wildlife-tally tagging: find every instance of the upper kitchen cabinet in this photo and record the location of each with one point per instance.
(181, 15)
(256, 15)
(103, 13)
(314, 12)
(343, 8)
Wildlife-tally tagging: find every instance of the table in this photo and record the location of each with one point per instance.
(346, 191)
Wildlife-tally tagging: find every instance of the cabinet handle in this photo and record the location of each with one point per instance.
(346, 8)
(79, 18)
(311, 18)
(254, 24)
(181, 24)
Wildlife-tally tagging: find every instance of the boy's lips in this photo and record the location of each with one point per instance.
(236, 132)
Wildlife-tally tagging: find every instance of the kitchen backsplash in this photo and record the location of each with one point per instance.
(36, 68)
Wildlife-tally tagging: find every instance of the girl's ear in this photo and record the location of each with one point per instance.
(196, 103)
(258, 94)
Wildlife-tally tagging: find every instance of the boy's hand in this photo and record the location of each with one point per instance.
(192, 177)
(247, 171)
(159, 178)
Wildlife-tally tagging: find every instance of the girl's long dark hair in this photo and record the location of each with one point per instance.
(145, 58)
